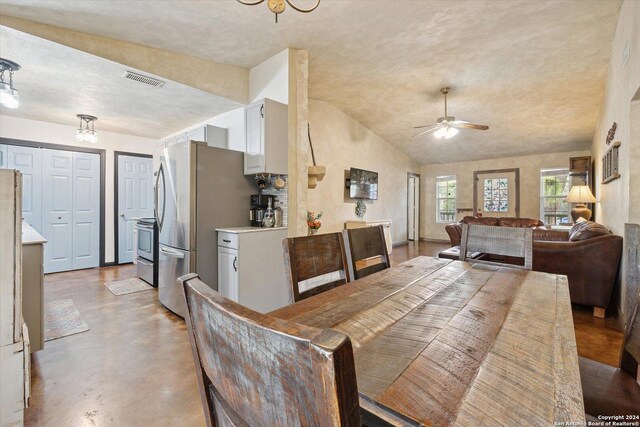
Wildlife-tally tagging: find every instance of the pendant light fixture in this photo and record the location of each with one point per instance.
(86, 133)
(8, 94)
(278, 6)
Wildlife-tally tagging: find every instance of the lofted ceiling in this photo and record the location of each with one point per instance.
(533, 71)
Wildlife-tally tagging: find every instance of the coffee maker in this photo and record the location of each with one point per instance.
(259, 203)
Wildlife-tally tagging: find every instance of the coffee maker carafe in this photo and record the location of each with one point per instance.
(259, 204)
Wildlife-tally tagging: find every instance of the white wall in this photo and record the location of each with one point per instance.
(339, 143)
(52, 133)
(530, 167)
(270, 79)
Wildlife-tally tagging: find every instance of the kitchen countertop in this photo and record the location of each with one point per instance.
(30, 236)
(240, 230)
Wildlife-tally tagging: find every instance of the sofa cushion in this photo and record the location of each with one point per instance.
(483, 220)
(519, 222)
(586, 230)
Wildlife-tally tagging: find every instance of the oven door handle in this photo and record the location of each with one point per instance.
(172, 254)
(146, 227)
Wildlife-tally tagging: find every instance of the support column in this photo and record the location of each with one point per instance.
(298, 141)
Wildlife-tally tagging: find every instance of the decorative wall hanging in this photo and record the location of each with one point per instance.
(612, 133)
(361, 209)
(610, 163)
(316, 173)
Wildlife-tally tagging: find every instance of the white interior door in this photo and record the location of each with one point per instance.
(413, 207)
(3, 156)
(28, 160)
(135, 200)
(86, 210)
(57, 218)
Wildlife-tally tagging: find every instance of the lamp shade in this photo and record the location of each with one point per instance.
(580, 194)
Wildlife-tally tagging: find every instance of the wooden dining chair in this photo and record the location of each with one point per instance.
(315, 264)
(367, 250)
(614, 391)
(254, 369)
(506, 241)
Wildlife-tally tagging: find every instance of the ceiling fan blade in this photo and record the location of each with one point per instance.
(422, 127)
(466, 125)
(425, 131)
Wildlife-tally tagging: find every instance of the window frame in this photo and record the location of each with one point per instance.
(447, 179)
(543, 197)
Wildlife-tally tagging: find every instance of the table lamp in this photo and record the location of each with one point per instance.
(580, 194)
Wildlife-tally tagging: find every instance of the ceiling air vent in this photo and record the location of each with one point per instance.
(143, 79)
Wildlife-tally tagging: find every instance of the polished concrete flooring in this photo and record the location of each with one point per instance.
(134, 366)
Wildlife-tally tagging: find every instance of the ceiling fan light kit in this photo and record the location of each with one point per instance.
(447, 126)
(8, 94)
(278, 6)
(84, 132)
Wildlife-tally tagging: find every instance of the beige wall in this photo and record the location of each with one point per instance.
(619, 199)
(339, 143)
(623, 81)
(51, 133)
(530, 167)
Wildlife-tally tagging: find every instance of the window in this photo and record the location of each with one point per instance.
(554, 188)
(496, 195)
(446, 199)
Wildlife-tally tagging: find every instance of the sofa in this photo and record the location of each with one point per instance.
(589, 255)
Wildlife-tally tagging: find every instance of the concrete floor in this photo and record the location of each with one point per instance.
(134, 367)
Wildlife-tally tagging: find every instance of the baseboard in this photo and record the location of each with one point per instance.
(404, 242)
(426, 239)
(109, 264)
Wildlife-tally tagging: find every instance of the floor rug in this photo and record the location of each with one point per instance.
(61, 319)
(128, 286)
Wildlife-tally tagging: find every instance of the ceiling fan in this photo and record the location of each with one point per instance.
(448, 126)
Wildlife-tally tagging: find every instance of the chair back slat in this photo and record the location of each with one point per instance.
(630, 356)
(365, 244)
(254, 369)
(311, 259)
(506, 241)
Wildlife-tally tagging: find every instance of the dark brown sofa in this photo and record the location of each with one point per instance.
(589, 255)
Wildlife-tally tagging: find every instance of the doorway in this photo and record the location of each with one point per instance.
(413, 206)
(63, 200)
(134, 200)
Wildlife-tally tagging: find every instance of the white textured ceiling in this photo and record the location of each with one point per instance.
(57, 82)
(532, 70)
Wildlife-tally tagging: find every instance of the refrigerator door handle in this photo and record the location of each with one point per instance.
(170, 253)
(160, 218)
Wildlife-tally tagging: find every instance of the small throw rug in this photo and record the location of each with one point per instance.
(61, 319)
(128, 286)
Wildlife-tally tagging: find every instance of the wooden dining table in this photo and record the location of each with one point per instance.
(443, 342)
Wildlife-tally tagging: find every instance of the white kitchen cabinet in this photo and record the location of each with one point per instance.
(251, 267)
(228, 272)
(266, 131)
(386, 225)
(14, 337)
(214, 136)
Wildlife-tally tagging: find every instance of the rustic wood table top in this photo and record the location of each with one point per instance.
(442, 342)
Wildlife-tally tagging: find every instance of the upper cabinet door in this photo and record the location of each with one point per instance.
(254, 156)
(266, 123)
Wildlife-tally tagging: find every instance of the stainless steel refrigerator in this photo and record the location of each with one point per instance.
(197, 189)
